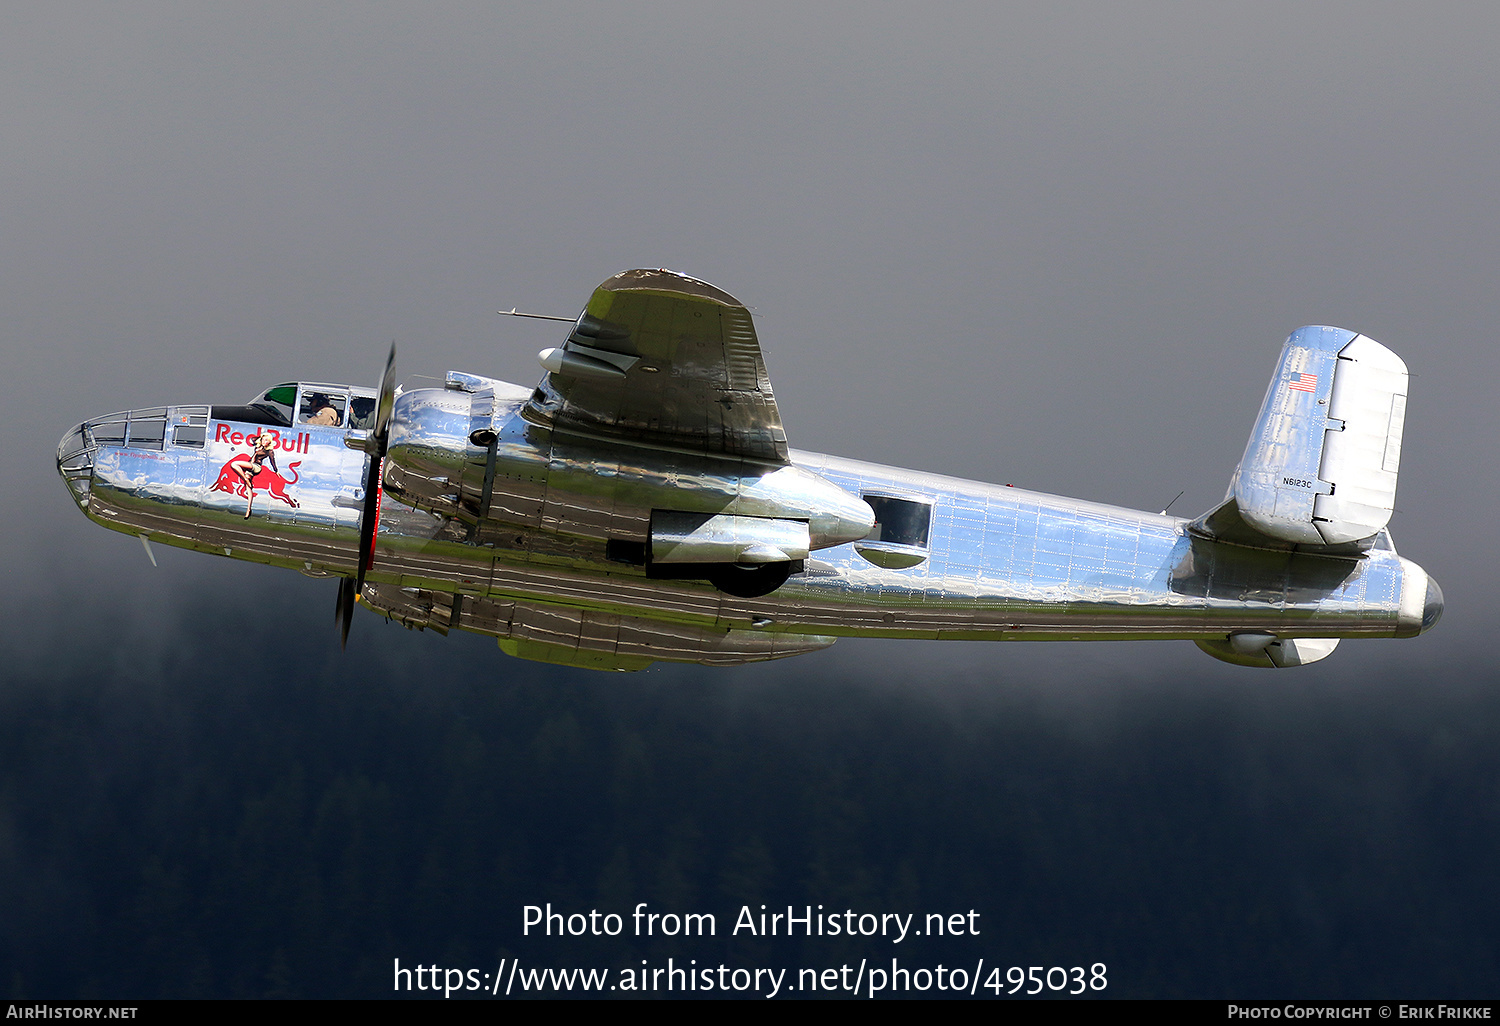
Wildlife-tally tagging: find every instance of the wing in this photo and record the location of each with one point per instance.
(664, 359)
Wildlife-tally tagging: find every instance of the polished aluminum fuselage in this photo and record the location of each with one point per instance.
(995, 563)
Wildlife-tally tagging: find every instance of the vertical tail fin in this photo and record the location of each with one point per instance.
(1321, 464)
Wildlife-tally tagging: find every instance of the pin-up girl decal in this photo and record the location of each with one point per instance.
(247, 465)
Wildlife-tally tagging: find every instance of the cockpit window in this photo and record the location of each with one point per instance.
(276, 403)
(362, 412)
(322, 409)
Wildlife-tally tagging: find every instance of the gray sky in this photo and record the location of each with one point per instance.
(1057, 246)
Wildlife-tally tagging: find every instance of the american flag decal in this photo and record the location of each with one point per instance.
(1301, 381)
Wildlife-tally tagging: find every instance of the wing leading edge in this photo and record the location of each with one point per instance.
(662, 359)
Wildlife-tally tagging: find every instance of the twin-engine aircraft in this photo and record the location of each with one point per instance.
(641, 504)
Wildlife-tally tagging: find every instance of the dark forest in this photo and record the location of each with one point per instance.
(223, 822)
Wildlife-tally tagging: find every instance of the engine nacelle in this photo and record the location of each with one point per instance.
(468, 452)
(1251, 649)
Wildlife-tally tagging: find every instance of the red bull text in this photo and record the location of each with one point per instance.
(301, 443)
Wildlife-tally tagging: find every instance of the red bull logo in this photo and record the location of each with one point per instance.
(246, 473)
(266, 480)
(301, 443)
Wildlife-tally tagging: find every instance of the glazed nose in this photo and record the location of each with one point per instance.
(75, 462)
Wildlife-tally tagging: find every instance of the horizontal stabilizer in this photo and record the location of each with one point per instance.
(1320, 467)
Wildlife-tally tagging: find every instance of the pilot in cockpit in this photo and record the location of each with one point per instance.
(319, 410)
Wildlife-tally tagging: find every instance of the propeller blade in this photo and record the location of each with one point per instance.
(345, 612)
(387, 401)
(369, 514)
(369, 517)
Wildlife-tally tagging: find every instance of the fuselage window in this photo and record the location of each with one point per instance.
(189, 434)
(322, 409)
(899, 521)
(147, 434)
(189, 425)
